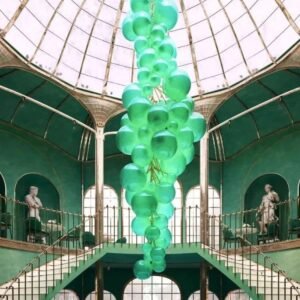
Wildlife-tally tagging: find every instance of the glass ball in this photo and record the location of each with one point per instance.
(142, 270)
(177, 85)
(189, 154)
(140, 5)
(144, 204)
(144, 135)
(152, 233)
(166, 209)
(190, 103)
(158, 32)
(133, 178)
(180, 113)
(164, 145)
(147, 58)
(155, 81)
(141, 156)
(141, 23)
(166, 13)
(127, 29)
(198, 125)
(131, 92)
(138, 111)
(126, 140)
(147, 90)
(165, 192)
(143, 75)
(172, 65)
(159, 266)
(128, 196)
(167, 49)
(125, 120)
(140, 44)
(158, 117)
(161, 67)
(158, 254)
(175, 165)
(185, 137)
(139, 225)
(160, 221)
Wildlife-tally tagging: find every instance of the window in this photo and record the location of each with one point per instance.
(110, 214)
(193, 215)
(66, 295)
(237, 295)
(175, 223)
(107, 296)
(196, 296)
(156, 287)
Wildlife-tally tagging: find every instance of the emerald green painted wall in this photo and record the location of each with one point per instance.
(22, 153)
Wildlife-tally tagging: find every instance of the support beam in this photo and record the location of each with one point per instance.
(204, 164)
(247, 111)
(99, 181)
(41, 104)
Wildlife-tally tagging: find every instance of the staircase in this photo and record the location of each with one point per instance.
(44, 282)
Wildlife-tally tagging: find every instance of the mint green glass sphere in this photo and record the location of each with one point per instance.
(158, 117)
(143, 75)
(164, 145)
(165, 209)
(144, 135)
(180, 113)
(155, 80)
(175, 165)
(142, 270)
(166, 13)
(147, 248)
(172, 65)
(185, 137)
(144, 204)
(159, 266)
(140, 5)
(147, 90)
(140, 44)
(161, 67)
(141, 23)
(190, 103)
(158, 32)
(141, 156)
(165, 192)
(198, 124)
(139, 225)
(167, 49)
(126, 140)
(160, 221)
(177, 85)
(127, 29)
(147, 58)
(138, 111)
(158, 254)
(152, 233)
(131, 92)
(125, 120)
(133, 178)
(189, 154)
(128, 196)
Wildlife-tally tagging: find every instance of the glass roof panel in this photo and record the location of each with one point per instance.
(72, 39)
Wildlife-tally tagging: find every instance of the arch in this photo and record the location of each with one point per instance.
(47, 193)
(66, 295)
(107, 296)
(158, 287)
(2, 193)
(237, 295)
(255, 192)
(110, 213)
(197, 296)
(175, 223)
(192, 213)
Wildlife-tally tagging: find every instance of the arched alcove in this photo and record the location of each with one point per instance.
(2, 193)
(66, 295)
(255, 192)
(197, 296)
(48, 195)
(107, 296)
(237, 295)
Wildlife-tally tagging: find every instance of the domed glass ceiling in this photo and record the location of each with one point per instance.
(221, 42)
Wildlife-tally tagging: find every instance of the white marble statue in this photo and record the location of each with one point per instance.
(267, 208)
(34, 203)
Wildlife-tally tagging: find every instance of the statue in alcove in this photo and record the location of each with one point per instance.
(34, 203)
(267, 208)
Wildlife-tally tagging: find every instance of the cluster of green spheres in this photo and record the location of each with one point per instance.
(158, 134)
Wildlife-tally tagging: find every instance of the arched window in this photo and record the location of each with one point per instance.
(237, 295)
(156, 287)
(175, 223)
(110, 214)
(196, 296)
(66, 295)
(107, 296)
(193, 215)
